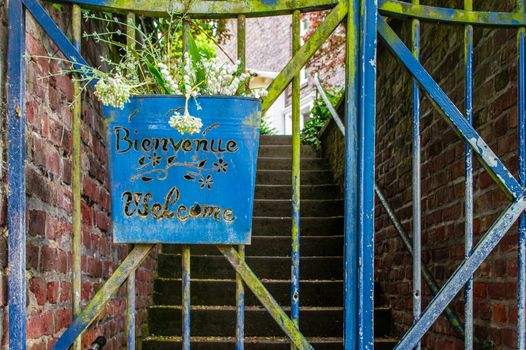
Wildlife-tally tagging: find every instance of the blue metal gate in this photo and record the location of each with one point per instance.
(365, 20)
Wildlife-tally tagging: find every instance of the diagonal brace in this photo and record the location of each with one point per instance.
(301, 58)
(465, 271)
(55, 33)
(452, 115)
(266, 299)
(99, 301)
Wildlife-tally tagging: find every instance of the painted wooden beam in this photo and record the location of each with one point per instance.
(266, 299)
(209, 8)
(303, 55)
(450, 15)
(99, 301)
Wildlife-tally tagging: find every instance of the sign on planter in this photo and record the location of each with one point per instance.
(173, 188)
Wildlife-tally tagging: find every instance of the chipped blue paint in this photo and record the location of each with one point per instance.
(521, 281)
(491, 162)
(468, 182)
(184, 188)
(463, 273)
(16, 124)
(55, 33)
(269, 2)
(350, 329)
(417, 213)
(366, 134)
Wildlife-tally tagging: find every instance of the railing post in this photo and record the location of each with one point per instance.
(16, 182)
(350, 331)
(186, 304)
(296, 182)
(417, 213)
(468, 183)
(76, 235)
(359, 174)
(130, 285)
(240, 289)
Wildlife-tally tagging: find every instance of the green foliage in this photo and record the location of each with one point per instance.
(319, 115)
(265, 128)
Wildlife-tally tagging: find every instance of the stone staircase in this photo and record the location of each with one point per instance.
(213, 316)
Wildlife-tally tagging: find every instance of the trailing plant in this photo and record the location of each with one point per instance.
(154, 63)
(318, 116)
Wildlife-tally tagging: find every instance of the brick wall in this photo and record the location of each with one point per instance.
(495, 116)
(49, 205)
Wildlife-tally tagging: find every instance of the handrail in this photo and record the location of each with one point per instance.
(452, 317)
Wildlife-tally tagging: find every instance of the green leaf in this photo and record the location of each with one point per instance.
(158, 76)
(195, 55)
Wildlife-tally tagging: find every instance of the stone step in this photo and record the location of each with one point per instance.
(308, 207)
(309, 226)
(273, 163)
(327, 191)
(167, 291)
(275, 140)
(284, 177)
(205, 267)
(274, 246)
(281, 151)
(210, 321)
(254, 343)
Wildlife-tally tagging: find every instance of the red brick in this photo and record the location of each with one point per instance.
(499, 313)
(53, 292)
(38, 287)
(39, 325)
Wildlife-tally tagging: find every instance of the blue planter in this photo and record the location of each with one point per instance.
(173, 188)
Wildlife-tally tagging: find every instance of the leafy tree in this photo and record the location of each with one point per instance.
(319, 115)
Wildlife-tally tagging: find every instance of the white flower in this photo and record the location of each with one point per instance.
(113, 91)
(185, 124)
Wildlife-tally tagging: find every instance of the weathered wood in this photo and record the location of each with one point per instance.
(450, 15)
(99, 301)
(209, 8)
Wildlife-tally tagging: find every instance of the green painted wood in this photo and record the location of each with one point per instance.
(449, 15)
(303, 55)
(101, 298)
(209, 9)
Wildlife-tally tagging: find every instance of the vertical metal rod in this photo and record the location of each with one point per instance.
(76, 238)
(417, 213)
(350, 331)
(240, 288)
(186, 298)
(16, 182)
(468, 182)
(185, 339)
(295, 268)
(521, 297)
(365, 188)
(130, 285)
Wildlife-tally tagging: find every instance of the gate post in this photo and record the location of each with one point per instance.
(359, 174)
(16, 182)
